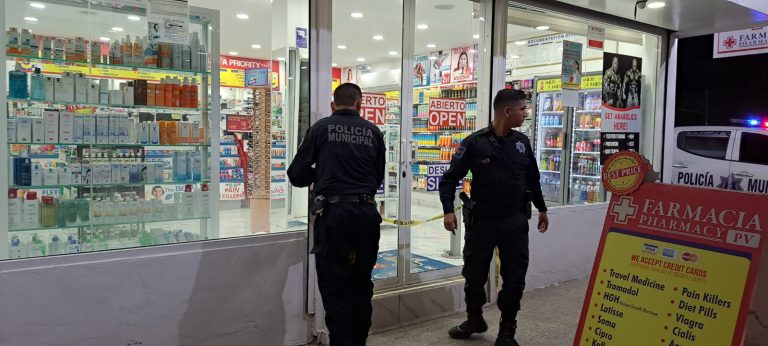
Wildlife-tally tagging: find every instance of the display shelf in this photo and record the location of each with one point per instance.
(90, 225)
(552, 112)
(547, 171)
(587, 130)
(140, 108)
(551, 126)
(109, 66)
(89, 186)
(433, 161)
(587, 152)
(115, 145)
(585, 176)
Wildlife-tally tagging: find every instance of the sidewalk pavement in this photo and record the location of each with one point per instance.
(549, 317)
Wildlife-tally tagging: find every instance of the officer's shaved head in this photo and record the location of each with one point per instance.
(347, 95)
(507, 98)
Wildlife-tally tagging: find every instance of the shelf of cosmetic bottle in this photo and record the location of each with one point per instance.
(132, 145)
(102, 224)
(139, 108)
(109, 66)
(98, 186)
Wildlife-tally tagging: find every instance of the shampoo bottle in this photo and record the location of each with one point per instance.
(17, 83)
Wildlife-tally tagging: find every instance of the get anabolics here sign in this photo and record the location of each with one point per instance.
(675, 266)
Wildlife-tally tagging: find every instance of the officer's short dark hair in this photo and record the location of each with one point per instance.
(347, 95)
(507, 97)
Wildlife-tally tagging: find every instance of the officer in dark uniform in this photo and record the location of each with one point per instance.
(505, 178)
(343, 155)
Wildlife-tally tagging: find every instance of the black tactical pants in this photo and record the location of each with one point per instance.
(346, 246)
(510, 235)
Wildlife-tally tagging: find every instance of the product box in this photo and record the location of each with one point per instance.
(38, 130)
(140, 92)
(51, 177)
(24, 129)
(89, 129)
(159, 172)
(149, 172)
(102, 128)
(104, 91)
(51, 126)
(77, 128)
(194, 133)
(66, 127)
(11, 130)
(49, 89)
(125, 173)
(65, 176)
(127, 95)
(93, 93)
(68, 86)
(86, 176)
(37, 174)
(151, 94)
(115, 97)
(116, 172)
(81, 88)
(58, 90)
(143, 133)
(75, 169)
(184, 132)
(154, 133)
(115, 123)
(197, 166)
(124, 132)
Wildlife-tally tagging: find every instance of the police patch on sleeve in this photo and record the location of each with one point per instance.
(460, 152)
(520, 147)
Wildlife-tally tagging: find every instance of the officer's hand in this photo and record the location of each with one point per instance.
(543, 222)
(449, 222)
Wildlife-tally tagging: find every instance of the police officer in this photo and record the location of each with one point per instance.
(343, 155)
(505, 178)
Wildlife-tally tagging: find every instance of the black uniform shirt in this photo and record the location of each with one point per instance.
(347, 152)
(503, 169)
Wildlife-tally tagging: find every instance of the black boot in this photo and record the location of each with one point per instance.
(507, 334)
(474, 324)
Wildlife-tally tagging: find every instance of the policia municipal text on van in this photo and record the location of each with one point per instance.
(505, 179)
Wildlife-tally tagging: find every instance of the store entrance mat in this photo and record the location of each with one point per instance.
(386, 265)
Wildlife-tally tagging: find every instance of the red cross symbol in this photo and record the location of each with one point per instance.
(730, 42)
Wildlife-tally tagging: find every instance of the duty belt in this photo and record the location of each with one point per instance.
(337, 199)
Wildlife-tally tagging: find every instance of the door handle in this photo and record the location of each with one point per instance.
(679, 165)
(744, 174)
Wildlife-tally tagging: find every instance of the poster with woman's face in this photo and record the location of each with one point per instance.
(462, 68)
(440, 63)
(349, 75)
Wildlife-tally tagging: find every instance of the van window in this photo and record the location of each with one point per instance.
(754, 148)
(712, 144)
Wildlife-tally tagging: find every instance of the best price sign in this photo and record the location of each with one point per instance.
(374, 108)
(447, 112)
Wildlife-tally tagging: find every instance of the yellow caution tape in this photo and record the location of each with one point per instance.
(415, 222)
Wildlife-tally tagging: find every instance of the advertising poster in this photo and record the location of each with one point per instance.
(374, 108)
(302, 37)
(232, 191)
(257, 77)
(462, 69)
(571, 73)
(476, 67)
(421, 69)
(680, 262)
(620, 125)
(435, 175)
(162, 192)
(441, 68)
(595, 37)
(239, 123)
(168, 21)
(349, 75)
(741, 42)
(447, 113)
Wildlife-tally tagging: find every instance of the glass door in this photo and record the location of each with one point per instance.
(550, 135)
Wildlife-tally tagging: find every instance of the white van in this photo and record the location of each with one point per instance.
(724, 157)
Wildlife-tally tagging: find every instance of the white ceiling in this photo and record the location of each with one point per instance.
(689, 17)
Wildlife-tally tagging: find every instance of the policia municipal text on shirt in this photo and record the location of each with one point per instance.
(505, 179)
(343, 155)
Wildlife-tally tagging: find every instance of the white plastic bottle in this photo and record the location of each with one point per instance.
(36, 247)
(31, 210)
(15, 213)
(72, 245)
(56, 246)
(17, 248)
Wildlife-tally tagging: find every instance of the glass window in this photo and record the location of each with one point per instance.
(708, 144)
(749, 144)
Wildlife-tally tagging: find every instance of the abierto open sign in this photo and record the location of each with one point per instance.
(374, 108)
(447, 112)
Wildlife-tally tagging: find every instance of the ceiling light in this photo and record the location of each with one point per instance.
(656, 4)
(242, 16)
(117, 29)
(134, 18)
(37, 5)
(392, 52)
(432, 57)
(210, 27)
(542, 27)
(256, 46)
(341, 46)
(361, 59)
(105, 39)
(232, 53)
(280, 58)
(356, 15)
(514, 57)
(378, 37)
(30, 19)
(333, 64)
(431, 45)
(422, 27)
(482, 19)
(520, 43)
(476, 36)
